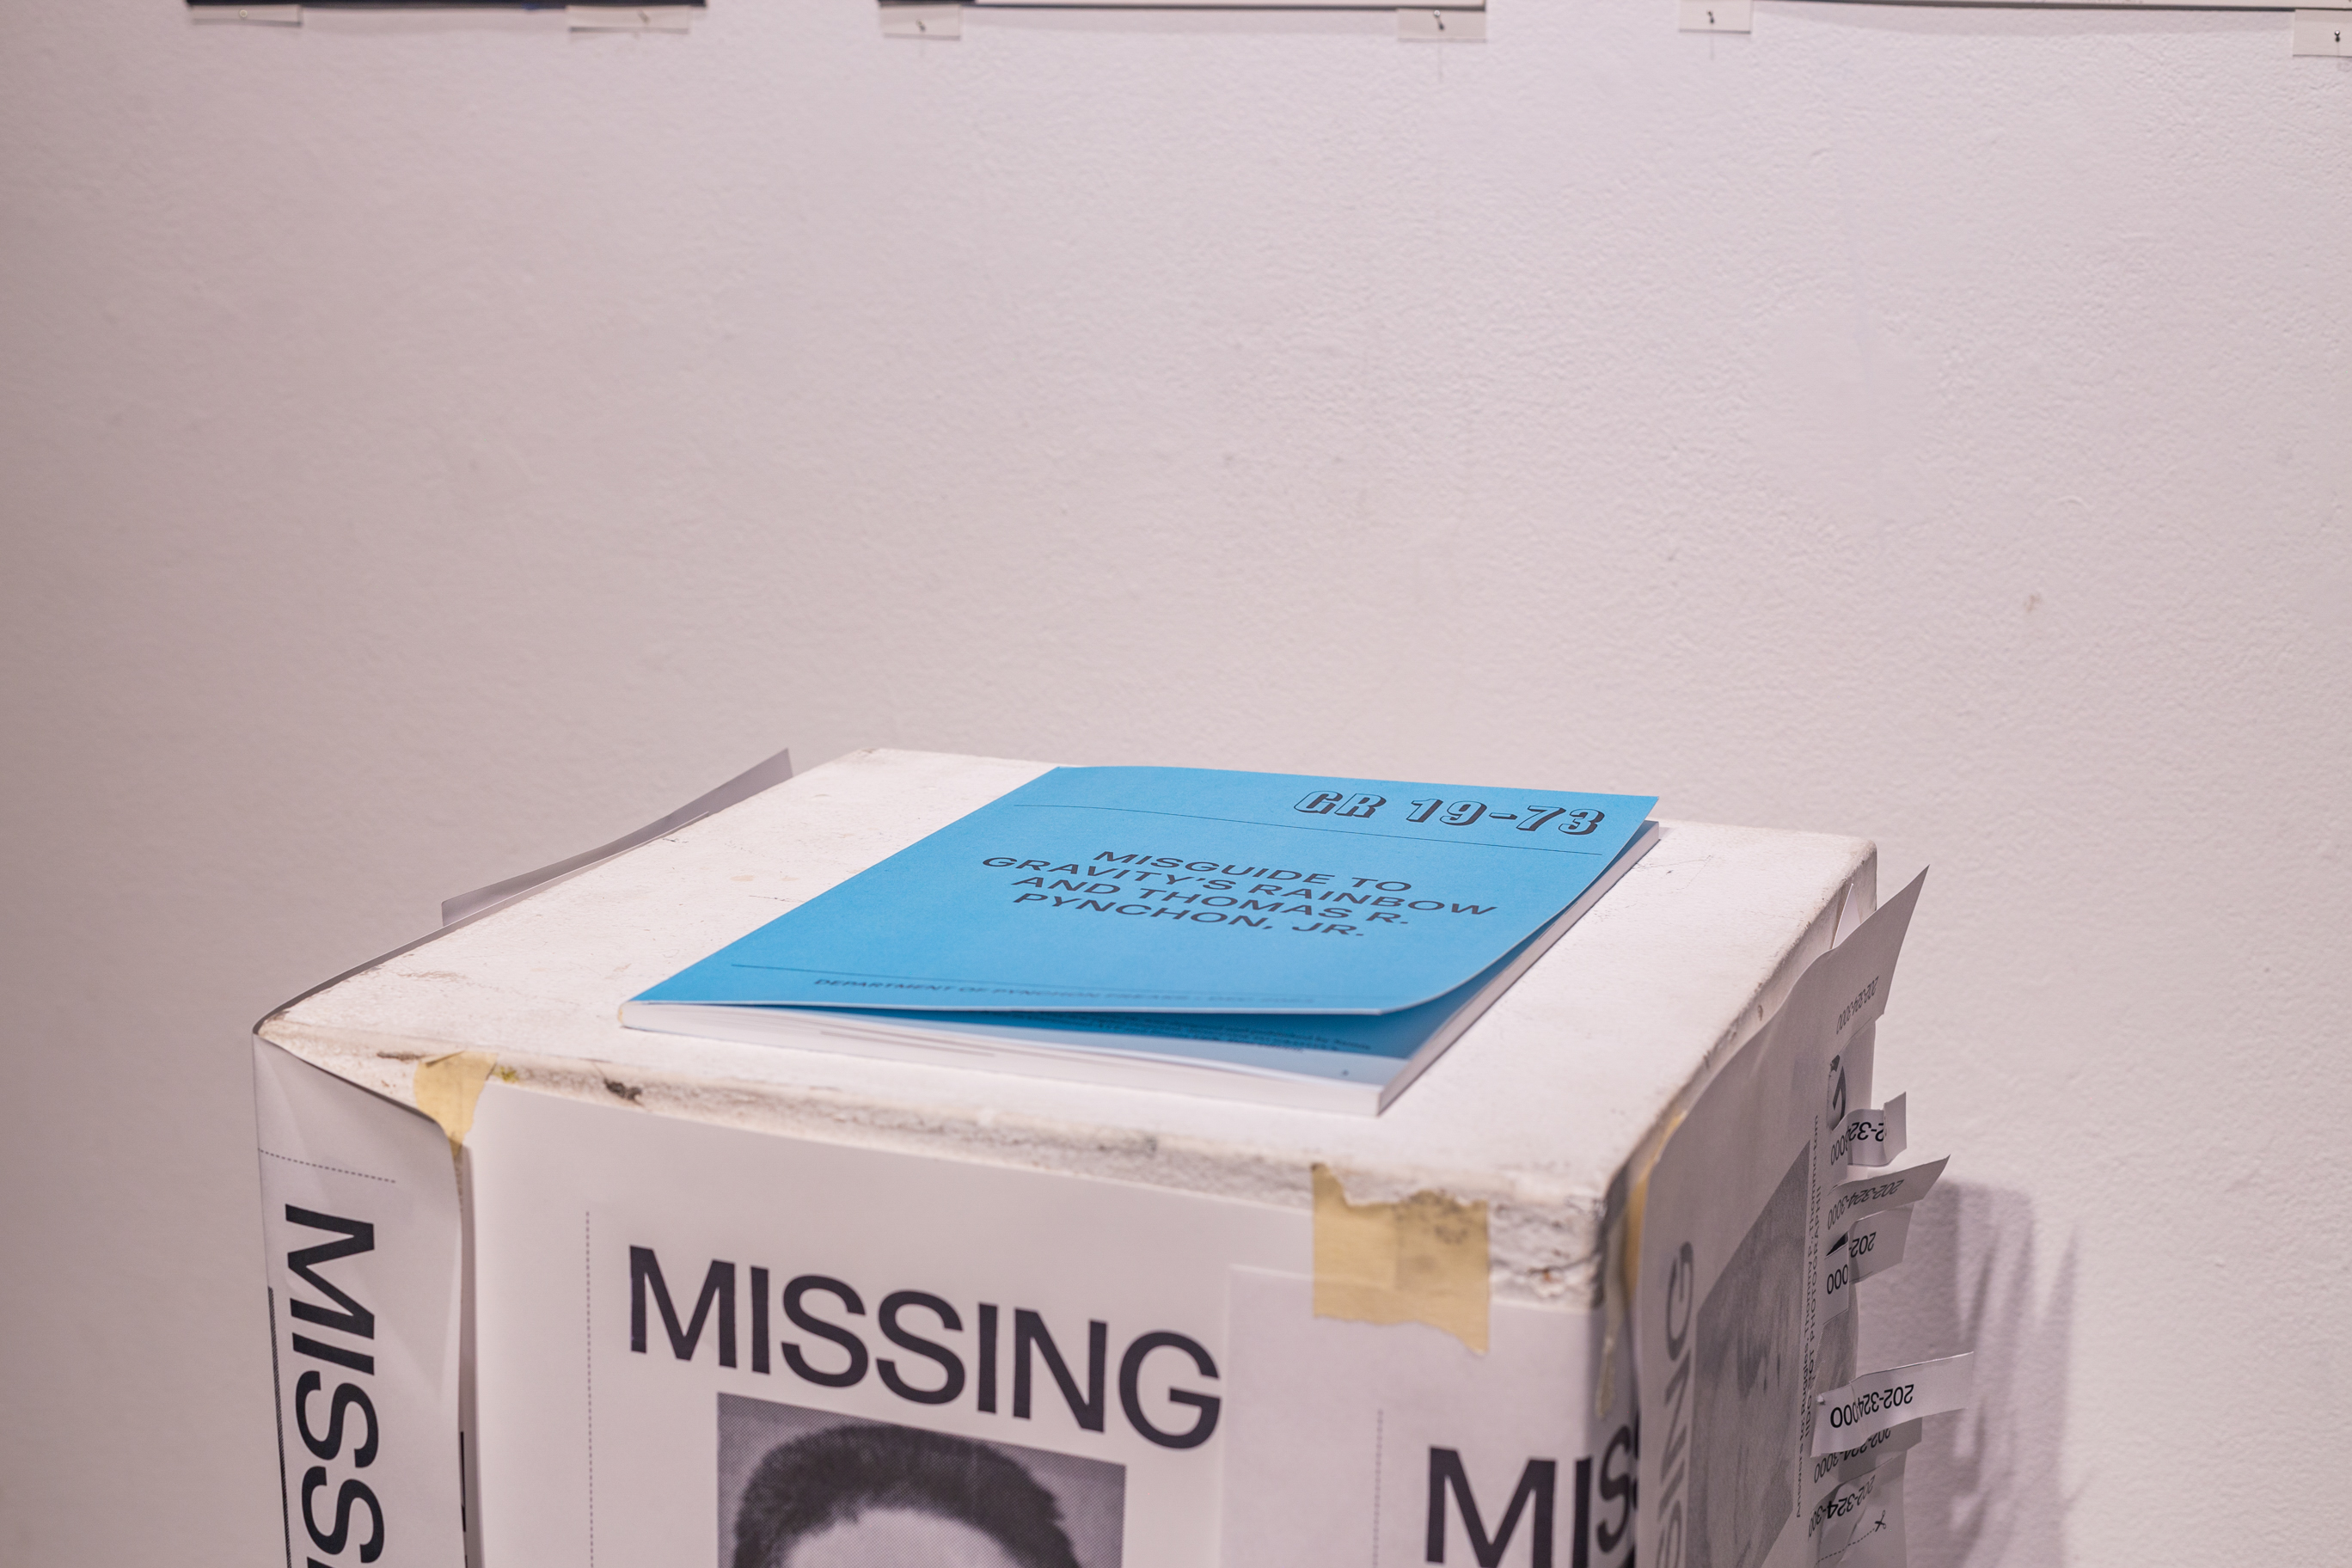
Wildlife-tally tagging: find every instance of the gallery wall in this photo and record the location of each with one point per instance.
(430, 446)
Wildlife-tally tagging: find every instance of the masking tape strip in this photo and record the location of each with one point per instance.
(1420, 1262)
(447, 1088)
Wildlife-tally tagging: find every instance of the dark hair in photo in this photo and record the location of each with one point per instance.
(812, 1483)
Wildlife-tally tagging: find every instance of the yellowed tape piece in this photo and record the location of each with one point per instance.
(1420, 1262)
(447, 1088)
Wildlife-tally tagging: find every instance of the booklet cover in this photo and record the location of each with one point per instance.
(1172, 890)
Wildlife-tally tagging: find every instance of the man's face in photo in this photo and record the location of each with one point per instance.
(895, 1537)
(873, 1494)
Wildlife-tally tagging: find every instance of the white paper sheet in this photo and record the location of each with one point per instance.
(663, 1307)
(1873, 1138)
(1878, 1400)
(1836, 1469)
(1875, 1244)
(760, 775)
(2325, 33)
(1851, 1200)
(1871, 1245)
(1861, 1522)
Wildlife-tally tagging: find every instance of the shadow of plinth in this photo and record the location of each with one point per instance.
(1984, 1487)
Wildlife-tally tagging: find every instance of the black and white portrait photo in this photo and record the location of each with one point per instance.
(808, 1489)
(1744, 1407)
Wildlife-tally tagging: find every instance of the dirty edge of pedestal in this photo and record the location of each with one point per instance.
(1536, 1110)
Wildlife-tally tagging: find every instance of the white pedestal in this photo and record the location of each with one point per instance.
(1129, 1297)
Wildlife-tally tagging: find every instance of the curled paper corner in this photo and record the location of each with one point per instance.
(1422, 1261)
(447, 1088)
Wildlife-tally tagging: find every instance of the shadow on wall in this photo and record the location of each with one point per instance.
(1984, 1487)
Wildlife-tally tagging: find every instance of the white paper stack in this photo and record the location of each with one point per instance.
(548, 1289)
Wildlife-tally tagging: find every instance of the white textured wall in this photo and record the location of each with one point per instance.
(431, 446)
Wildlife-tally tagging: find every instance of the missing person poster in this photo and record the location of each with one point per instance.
(694, 1346)
(702, 1346)
(361, 1234)
(1732, 1338)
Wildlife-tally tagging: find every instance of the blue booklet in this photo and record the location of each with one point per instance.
(1311, 941)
